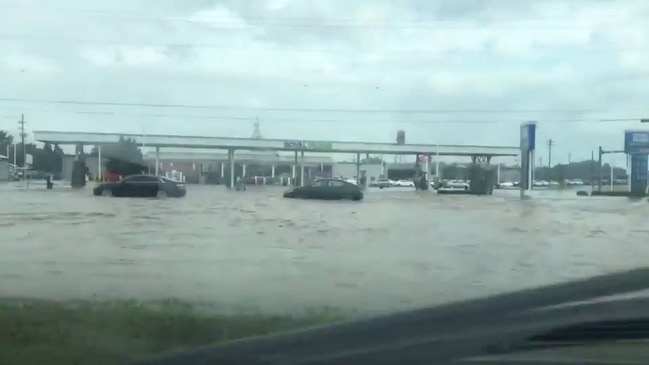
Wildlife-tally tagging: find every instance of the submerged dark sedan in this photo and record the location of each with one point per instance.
(142, 186)
(326, 189)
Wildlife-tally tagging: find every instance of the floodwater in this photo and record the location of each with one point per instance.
(255, 250)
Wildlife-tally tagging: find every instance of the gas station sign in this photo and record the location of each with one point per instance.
(528, 143)
(636, 142)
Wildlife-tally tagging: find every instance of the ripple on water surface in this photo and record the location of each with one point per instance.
(253, 248)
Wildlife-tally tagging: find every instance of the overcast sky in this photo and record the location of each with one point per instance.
(447, 72)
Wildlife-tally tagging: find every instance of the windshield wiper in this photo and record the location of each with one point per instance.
(499, 324)
(597, 331)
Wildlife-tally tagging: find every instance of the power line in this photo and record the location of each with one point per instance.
(49, 38)
(260, 17)
(315, 22)
(208, 117)
(623, 120)
(303, 110)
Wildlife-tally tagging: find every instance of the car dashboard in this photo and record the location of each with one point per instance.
(582, 322)
(607, 353)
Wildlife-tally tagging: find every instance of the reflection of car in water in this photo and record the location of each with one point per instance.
(573, 323)
(142, 186)
(326, 189)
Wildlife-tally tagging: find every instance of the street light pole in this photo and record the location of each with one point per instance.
(437, 162)
(599, 170)
(22, 140)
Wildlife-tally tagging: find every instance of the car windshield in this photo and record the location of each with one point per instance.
(297, 163)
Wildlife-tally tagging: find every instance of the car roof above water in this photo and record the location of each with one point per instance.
(153, 176)
(331, 179)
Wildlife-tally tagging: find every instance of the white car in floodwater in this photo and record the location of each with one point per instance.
(456, 184)
(351, 180)
(404, 183)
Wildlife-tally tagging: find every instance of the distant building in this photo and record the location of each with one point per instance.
(4, 168)
(372, 171)
(91, 162)
(213, 166)
(509, 174)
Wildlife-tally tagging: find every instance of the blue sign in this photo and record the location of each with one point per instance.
(636, 142)
(528, 136)
(528, 143)
(639, 165)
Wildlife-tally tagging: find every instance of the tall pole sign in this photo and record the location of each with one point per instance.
(528, 145)
(636, 144)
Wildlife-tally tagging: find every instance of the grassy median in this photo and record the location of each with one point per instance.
(112, 333)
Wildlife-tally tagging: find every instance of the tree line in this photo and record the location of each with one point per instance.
(586, 171)
(125, 158)
(583, 170)
(122, 158)
(48, 158)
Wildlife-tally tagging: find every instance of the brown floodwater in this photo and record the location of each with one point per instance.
(255, 250)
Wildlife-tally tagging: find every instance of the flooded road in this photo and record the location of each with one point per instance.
(256, 250)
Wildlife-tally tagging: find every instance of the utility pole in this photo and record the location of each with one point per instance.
(592, 170)
(569, 157)
(599, 170)
(22, 140)
(550, 144)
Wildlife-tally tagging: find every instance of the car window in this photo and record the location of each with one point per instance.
(320, 183)
(130, 179)
(141, 178)
(337, 183)
(151, 179)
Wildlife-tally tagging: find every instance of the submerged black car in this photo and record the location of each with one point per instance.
(326, 189)
(142, 186)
